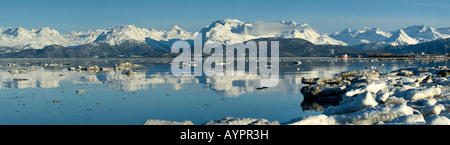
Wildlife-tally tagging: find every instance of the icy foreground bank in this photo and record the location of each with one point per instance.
(416, 96)
(367, 97)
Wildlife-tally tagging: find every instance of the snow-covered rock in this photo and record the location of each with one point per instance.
(372, 88)
(394, 101)
(361, 102)
(412, 89)
(437, 120)
(165, 122)
(427, 102)
(314, 120)
(367, 117)
(323, 91)
(445, 114)
(382, 97)
(408, 119)
(418, 94)
(241, 121)
(432, 110)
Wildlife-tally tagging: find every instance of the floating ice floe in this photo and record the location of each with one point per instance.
(224, 121)
(165, 122)
(241, 121)
(367, 117)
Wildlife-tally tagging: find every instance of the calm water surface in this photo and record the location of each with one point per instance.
(43, 91)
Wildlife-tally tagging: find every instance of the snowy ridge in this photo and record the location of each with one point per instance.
(404, 36)
(423, 33)
(401, 38)
(79, 38)
(116, 35)
(35, 38)
(21, 38)
(365, 35)
(222, 30)
(235, 30)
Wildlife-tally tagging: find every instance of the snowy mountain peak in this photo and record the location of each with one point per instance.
(376, 31)
(366, 35)
(423, 33)
(236, 21)
(14, 31)
(176, 27)
(444, 31)
(347, 31)
(416, 28)
(176, 32)
(118, 34)
(226, 23)
(124, 27)
(367, 28)
(19, 37)
(291, 23)
(46, 31)
(402, 32)
(401, 38)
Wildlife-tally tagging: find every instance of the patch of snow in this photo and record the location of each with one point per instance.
(408, 119)
(418, 94)
(360, 102)
(241, 121)
(432, 110)
(437, 120)
(165, 122)
(367, 117)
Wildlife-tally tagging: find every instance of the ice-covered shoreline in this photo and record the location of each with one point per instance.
(414, 96)
(367, 97)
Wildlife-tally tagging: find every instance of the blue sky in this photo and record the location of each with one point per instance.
(326, 16)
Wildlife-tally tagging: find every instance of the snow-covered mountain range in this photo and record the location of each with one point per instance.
(38, 38)
(235, 30)
(404, 36)
(21, 38)
(222, 30)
